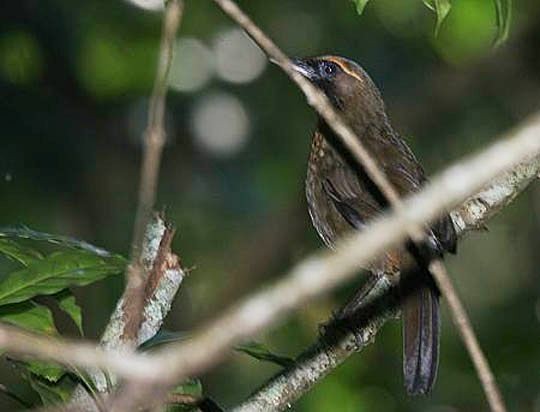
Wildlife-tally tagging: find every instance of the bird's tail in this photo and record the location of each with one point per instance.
(421, 330)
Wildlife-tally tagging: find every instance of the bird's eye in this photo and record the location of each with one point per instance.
(329, 69)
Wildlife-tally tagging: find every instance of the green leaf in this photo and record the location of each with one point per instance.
(29, 316)
(35, 318)
(50, 372)
(259, 351)
(66, 302)
(503, 16)
(57, 272)
(190, 389)
(20, 253)
(441, 8)
(24, 232)
(51, 393)
(360, 5)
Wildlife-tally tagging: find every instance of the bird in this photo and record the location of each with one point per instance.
(342, 198)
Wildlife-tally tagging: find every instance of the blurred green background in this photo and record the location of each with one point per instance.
(74, 82)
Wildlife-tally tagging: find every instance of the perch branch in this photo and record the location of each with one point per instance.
(317, 99)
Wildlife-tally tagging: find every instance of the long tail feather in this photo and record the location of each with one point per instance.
(421, 330)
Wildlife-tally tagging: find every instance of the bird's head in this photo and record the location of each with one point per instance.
(346, 85)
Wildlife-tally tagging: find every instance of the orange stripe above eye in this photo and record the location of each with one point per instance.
(345, 67)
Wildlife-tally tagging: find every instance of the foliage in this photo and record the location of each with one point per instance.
(503, 12)
(441, 8)
(72, 263)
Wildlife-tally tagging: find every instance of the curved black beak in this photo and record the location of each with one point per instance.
(305, 69)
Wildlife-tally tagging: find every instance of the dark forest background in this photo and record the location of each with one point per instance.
(74, 81)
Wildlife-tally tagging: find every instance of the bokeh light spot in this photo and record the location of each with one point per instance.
(238, 59)
(109, 65)
(220, 124)
(192, 65)
(20, 57)
(153, 5)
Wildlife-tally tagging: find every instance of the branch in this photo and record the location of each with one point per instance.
(326, 270)
(324, 356)
(164, 278)
(319, 101)
(136, 274)
(76, 353)
(154, 273)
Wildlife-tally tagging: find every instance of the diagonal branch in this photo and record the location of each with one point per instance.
(318, 100)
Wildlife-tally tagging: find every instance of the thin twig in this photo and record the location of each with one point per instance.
(154, 273)
(76, 352)
(463, 324)
(318, 100)
(154, 141)
(154, 136)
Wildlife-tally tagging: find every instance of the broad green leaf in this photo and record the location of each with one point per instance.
(66, 302)
(18, 252)
(50, 372)
(29, 316)
(25, 232)
(503, 16)
(259, 351)
(360, 5)
(57, 272)
(35, 318)
(441, 8)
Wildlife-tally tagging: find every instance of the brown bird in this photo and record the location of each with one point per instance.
(342, 198)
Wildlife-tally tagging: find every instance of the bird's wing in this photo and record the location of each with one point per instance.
(350, 196)
(356, 198)
(407, 176)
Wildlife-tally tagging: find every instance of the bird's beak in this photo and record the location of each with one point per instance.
(304, 69)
